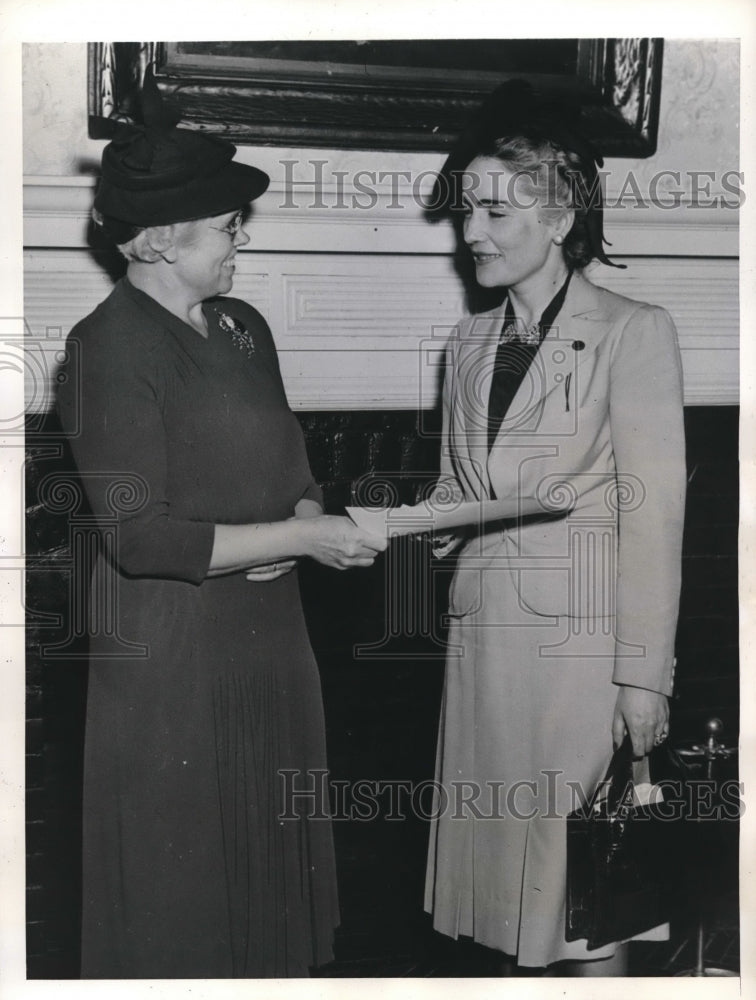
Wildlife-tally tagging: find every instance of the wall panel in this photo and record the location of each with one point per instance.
(367, 331)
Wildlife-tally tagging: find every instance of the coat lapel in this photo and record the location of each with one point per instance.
(554, 378)
(580, 327)
(475, 370)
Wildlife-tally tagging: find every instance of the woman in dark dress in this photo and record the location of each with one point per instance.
(202, 687)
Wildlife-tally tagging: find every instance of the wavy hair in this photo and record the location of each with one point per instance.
(559, 179)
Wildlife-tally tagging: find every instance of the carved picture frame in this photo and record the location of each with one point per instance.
(265, 94)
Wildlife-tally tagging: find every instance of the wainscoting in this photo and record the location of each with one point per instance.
(361, 303)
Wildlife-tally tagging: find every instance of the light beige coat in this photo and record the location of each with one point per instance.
(553, 609)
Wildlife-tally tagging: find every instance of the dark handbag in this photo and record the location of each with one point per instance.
(618, 868)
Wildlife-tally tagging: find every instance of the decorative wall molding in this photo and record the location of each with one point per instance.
(388, 219)
(367, 331)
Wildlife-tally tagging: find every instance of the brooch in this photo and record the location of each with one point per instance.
(240, 335)
(513, 331)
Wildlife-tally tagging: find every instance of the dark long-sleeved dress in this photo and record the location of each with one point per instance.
(202, 691)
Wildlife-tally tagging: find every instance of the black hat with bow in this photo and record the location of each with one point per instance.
(156, 174)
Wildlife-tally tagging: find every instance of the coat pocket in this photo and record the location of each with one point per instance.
(466, 591)
(567, 569)
(544, 591)
(555, 592)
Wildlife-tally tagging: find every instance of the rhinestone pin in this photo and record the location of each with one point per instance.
(240, 335)
(513, 331)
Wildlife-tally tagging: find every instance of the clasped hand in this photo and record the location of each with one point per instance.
(445, 543)
(339, 543)
(333, 541)
(271, 571)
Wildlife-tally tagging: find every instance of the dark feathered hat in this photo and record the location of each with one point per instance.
(156, 173)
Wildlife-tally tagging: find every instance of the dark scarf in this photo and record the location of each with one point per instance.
(514, 356)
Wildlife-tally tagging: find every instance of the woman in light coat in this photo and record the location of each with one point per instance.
(567, 401)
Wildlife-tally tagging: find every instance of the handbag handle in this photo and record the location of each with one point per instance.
(619, 777)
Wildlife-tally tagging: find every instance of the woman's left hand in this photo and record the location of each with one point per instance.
(270, 571)
(644, 715)
(445, 543)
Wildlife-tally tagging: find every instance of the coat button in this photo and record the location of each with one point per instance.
(578, 345)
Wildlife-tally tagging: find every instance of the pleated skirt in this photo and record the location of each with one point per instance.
(525, 734)
(208, 850)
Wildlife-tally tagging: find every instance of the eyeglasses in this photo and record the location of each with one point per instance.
(232, 227)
